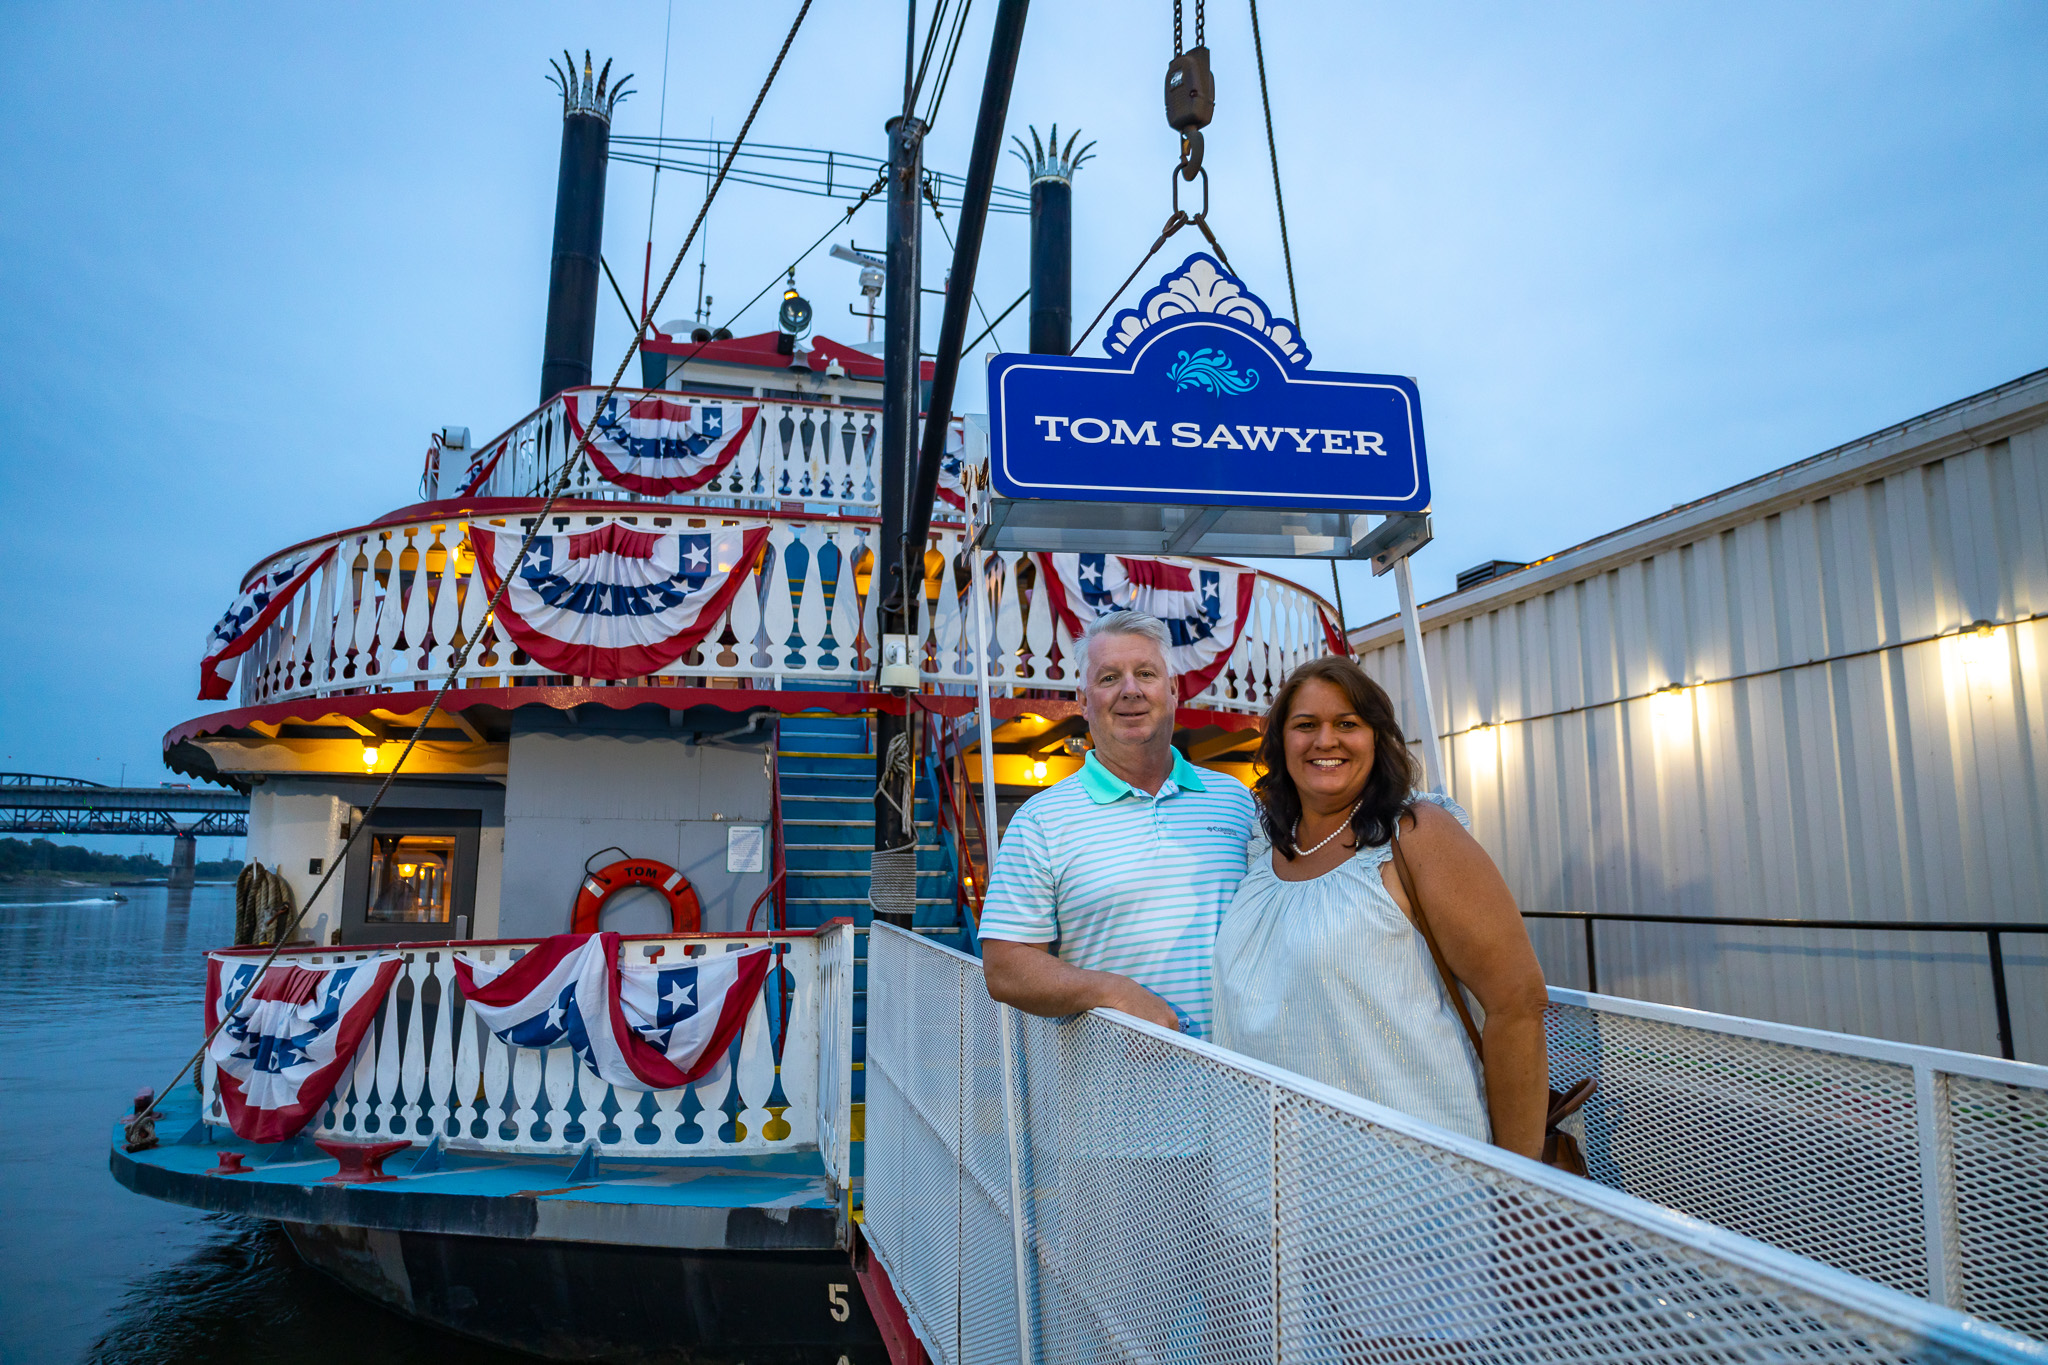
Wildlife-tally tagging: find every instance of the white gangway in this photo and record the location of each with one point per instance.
(1098, 1189)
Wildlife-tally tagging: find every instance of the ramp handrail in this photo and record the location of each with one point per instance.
(1920, 1168)
(1100, 1189)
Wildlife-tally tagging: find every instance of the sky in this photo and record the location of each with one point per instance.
(253, 254)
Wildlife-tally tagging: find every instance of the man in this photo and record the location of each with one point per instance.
(1110, 884)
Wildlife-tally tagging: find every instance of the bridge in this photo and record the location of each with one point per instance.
(36, 803)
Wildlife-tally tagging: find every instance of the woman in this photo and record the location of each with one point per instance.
(1319, 965)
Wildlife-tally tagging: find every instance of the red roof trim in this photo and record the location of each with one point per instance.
(759, 351)
(311, 710)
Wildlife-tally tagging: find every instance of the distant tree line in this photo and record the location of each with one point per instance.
(40, 855)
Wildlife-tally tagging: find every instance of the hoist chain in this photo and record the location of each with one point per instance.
(1190, 91)
(1175, 221)
(1190, 104)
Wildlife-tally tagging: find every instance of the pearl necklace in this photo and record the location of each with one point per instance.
(1294, 835)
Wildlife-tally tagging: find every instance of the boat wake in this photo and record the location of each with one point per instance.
(76, 900)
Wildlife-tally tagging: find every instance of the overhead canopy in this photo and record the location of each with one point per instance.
(1227, 532)
(470, 734)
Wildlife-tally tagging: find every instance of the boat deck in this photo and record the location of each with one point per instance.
(779, 1201)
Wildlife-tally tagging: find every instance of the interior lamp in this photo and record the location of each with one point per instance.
(370, 752)
(1038, 770)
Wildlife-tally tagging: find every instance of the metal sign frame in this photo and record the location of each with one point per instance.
(1119, 514)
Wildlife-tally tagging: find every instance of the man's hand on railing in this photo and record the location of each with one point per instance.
(1028, 977)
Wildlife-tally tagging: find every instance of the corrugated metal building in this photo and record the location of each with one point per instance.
(1815, 695)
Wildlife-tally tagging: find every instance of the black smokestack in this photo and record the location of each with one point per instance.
(579, 224)
(1052, 238)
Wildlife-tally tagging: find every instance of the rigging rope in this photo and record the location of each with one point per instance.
(1175, 221)
(881, 183)
(924, 61)
(1273, 150)
(144, 1116)
(939, 217)
(931, 112)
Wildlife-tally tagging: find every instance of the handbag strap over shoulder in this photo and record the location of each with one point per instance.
(1436, 954)
(1560, 1149)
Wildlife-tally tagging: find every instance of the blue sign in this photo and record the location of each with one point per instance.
(1206, 399)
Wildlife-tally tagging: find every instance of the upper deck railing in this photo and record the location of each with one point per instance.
(809, 454)
(1098, 1189)
(386, 612)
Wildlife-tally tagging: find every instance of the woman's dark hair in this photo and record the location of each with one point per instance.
(1387, 787)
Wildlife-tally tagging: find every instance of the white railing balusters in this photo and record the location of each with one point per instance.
(413, 1067)
(667, 1120)
(468, 1069)
(497, 1084)
(800, 616)
(526, 1074)
(362, 1080)
(590, 1093)
(755, 1073)
(427, 1069)
(389, 1060)
(441, 1053)
(560, 1068)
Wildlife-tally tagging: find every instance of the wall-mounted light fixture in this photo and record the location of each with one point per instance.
(1482, 749)
(1671, 712)
(370, 752)
(1981, 646)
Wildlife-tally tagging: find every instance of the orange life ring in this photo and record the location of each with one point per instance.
(685, 915)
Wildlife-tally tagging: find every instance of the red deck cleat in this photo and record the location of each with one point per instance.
(231, 1164)
(362, 1163)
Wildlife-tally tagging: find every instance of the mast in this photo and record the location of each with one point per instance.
(892, 892)
(906, 522)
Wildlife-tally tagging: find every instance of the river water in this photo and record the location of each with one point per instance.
(99, 1000)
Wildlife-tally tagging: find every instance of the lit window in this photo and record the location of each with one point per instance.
(411, 879)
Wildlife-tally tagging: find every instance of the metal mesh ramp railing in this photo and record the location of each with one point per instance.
(1099, 1190)
(1922, 1169)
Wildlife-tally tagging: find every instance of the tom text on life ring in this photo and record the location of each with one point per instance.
(686, 916)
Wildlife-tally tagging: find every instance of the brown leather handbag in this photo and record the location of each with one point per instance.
(1560, 1149)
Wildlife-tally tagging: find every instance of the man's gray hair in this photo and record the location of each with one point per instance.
(1127, 623)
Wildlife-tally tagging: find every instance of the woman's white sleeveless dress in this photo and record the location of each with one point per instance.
(1328, 978)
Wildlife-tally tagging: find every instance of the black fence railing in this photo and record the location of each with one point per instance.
(1992, 932)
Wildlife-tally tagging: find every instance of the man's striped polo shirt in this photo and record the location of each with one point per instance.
(1119, 881)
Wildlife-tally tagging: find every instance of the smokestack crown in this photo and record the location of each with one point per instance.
(1046, 161)
(590, 95)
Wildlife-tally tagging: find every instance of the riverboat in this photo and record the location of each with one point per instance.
(705, 784)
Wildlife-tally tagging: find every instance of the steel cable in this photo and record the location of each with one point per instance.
(1273, 150)
(461, 657)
